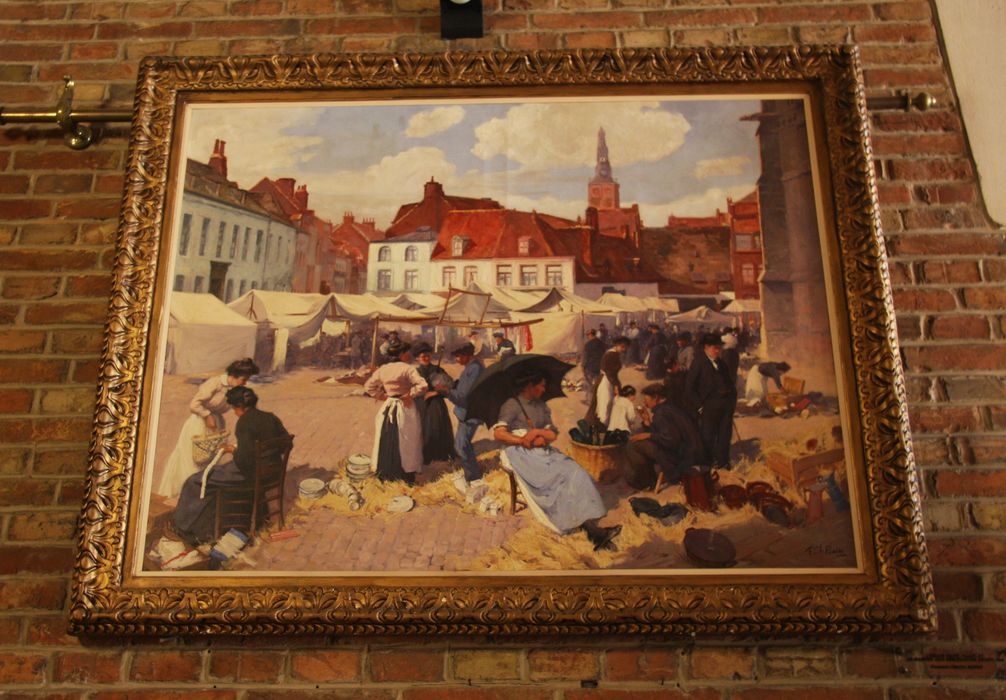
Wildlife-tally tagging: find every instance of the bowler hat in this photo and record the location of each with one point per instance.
(421, 348)
(711, 339)
(396, 348)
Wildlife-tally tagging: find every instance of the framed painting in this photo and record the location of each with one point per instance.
(518, 343)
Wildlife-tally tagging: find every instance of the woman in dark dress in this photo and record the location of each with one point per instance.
(195, 517)
(438, 435)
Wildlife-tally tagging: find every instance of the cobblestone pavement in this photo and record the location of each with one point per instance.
(329, 422)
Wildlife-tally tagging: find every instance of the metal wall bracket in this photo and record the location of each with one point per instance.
(903, 101)
(76, 134)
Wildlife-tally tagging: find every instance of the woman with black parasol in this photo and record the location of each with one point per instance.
(438, 435)
(510, 396)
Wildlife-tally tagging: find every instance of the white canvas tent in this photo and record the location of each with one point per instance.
(416, 300)
(560, 300)
(704, 316)
(468, 307)
(558, 332)
(743, 306)
(300, 315)
(204, 335)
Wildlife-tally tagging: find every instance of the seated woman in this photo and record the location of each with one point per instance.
(563, 494)
(195, 517)
(669, 444)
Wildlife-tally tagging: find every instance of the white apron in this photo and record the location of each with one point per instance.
(410, 434)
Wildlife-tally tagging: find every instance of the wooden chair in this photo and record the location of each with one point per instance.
(271, 458)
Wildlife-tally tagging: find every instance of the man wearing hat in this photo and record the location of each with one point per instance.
(470, 483)
(504, 347)
(714, 391)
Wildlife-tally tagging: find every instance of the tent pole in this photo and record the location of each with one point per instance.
(373, 346)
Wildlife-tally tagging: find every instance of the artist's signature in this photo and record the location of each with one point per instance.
(824, 549)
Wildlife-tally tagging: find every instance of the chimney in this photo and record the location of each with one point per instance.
(300, 197)
(218, 161)
(433, 189)
(285, 185)
(347, 217)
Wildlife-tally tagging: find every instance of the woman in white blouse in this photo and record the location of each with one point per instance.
(207, 409)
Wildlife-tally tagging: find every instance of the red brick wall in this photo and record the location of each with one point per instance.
(57, 222)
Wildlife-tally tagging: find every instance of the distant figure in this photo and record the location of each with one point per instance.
(355, 351)
(656, 353)
(685, 351)
(593, 351)
(756, 386)
(730, 354)
(709, 385)
(504, 346)
(602, 334)
(398, 432)
(669, 443)
(475, 338)
(635, 354)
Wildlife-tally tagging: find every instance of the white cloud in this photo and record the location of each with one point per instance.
(540, 136)
(434, 121)
(698, 204)
(258, 143)
(719, 167)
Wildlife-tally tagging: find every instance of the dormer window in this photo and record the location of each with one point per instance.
(458, 244)
(524, 245)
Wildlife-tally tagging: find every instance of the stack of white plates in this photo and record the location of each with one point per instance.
(358, 467)
(311, 488)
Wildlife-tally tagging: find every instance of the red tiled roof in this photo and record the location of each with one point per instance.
(431, 211)
(204, 180)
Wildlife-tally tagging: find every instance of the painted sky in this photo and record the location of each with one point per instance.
(670, 156)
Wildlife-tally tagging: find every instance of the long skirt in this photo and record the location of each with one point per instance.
(398, 440)
(194, 517)
(438, 435)
(180, 466)
(563, 493)
(756, 384)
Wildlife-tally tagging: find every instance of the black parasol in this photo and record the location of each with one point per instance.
(496, 384)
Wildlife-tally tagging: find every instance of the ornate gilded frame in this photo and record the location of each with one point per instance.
(893, 595)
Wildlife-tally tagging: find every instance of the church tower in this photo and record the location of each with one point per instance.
(602, 192)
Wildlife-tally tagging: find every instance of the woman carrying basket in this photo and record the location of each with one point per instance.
(207, 409)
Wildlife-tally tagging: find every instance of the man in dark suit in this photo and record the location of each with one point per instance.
(715, 393)
(593, 351)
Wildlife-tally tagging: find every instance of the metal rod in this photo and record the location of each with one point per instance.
(903, 101)
(84, 115)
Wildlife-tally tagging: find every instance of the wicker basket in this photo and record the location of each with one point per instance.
(602, 462)
(204, 447)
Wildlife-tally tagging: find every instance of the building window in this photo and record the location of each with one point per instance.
(229, 296)
(221, 232)
(268, 247)
(244, 288)
(183, 243)
(234, 241)
(411, 254)
(258, 244)
(197, 285)
(244, 248)
(553, 275)
(179, 283)
(254, 284)
(383, 280)
(412, 279)
(204, 233)
(524, 245)
(448, 277)
(744, 241)
(504, 276)
(471, 274)
(458, 246)
(748, 273)
(384, 254)
(528, 275)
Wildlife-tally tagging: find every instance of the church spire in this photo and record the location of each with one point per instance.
(602, 171)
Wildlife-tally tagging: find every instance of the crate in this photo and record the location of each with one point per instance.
(793, 386)
(801, 471)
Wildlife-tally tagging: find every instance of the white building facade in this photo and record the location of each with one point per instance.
(401, 264)
(512, 273)
(226, 249)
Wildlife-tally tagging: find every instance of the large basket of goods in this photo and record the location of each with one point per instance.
(205, 447)
(600, 452)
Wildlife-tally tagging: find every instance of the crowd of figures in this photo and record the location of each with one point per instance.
(686, 419)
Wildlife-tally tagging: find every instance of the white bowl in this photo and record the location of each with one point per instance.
(311, 488)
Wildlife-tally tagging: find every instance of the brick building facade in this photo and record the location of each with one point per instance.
(58, 212)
